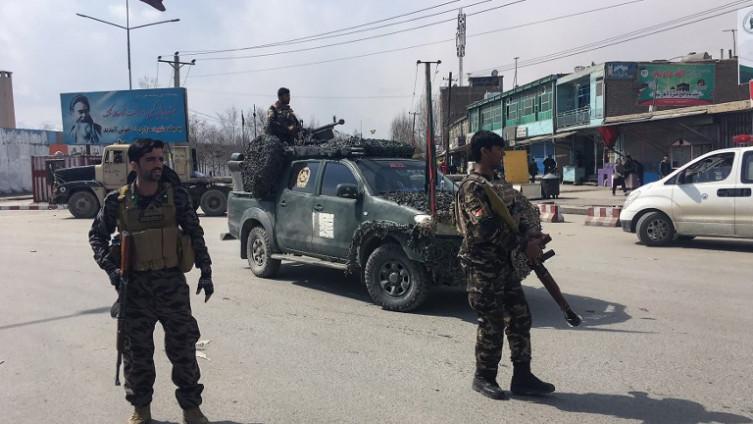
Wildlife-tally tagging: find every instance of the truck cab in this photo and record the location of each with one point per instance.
(84, 188)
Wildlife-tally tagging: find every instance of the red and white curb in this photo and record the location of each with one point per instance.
(34, 207)
(550, 212)
(603, 216)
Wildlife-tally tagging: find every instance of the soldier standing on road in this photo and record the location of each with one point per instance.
(152, 209)
(494, 291)
(281, 121)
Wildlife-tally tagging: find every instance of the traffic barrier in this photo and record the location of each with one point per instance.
(550, 212)
(603, 216)
(33, 207)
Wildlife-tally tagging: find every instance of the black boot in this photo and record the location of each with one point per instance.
(485, 382)
(524, 383)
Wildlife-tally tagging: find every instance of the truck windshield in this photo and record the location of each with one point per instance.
(399, 175)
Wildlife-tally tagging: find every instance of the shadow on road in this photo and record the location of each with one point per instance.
(452, 302)
(45, 320)
(639, 406)
(717, 244)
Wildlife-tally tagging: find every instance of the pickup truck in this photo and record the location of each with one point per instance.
(344, 213)
(84, 188)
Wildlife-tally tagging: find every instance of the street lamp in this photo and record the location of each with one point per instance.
(128, 29)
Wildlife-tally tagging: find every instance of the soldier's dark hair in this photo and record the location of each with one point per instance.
(484, 139)
(282, 91)
(79, 99)
(141, 147)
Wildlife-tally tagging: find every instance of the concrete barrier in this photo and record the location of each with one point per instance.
(550, 212)
(603, 216)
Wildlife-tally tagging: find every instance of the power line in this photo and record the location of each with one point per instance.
(321, 35)
(357, 40)
(298, 96)
(633, 35)
(414, 46)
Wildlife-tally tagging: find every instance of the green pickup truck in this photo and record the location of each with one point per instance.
(357, 214)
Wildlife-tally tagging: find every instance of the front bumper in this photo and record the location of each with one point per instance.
(626, 220)
(627, 226)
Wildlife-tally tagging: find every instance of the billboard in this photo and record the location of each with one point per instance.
(676, 84)
(107, 117)
(745, 45)
(621, 71)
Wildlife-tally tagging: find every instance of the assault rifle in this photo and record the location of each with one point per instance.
(547, 280)
(125, 264)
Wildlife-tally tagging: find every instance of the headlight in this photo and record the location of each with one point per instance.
(62, 189)
(631, 198)
(422, 219)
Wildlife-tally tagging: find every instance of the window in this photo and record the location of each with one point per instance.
(512, 109)
(335, 174)
(491, 116)
(712, 169)
(545, 100)
(303, 176)
(399, 176)
(747, 175)
(116, 156)
(528, 102)
(474, 117)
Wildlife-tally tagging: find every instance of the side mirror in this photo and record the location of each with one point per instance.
(347, 191)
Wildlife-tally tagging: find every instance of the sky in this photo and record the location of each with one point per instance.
(50, 50)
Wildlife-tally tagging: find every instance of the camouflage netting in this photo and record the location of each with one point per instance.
(263, 161)
(266, 157)
(420, 201)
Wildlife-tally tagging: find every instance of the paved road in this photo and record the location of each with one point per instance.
(667, 338)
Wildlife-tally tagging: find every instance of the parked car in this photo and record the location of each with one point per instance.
(710, 196)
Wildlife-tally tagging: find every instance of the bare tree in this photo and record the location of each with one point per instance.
(148, 82)
(401, 129)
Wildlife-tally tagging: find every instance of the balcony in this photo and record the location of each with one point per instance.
(574, 118)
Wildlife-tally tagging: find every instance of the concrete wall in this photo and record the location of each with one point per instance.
(16, 149)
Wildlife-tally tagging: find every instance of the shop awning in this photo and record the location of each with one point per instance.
(548, 137)
(678, 113)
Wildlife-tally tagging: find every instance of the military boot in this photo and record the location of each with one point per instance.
(485, 382)
(141, 415)
(524, 383)
(194, 416)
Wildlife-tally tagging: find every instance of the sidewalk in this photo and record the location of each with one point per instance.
(25, 203)
(576, 199)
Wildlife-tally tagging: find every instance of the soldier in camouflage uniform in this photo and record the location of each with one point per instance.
(281, 121)
(494, 288)
(152, 209)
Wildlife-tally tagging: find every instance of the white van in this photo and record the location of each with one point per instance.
(710, 196)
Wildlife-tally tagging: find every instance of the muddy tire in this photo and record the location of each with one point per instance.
(259, 251)
(213, 202)
(83, 204)
(395, 282)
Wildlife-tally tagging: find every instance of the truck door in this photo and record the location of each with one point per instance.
(702, 201)
(744, 198)
(295, 206)
(115, 169)
(337, 211)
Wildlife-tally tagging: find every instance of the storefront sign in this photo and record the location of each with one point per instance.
(676, 84)
(621, 71)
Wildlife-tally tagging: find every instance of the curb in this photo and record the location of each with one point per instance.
(34, 207)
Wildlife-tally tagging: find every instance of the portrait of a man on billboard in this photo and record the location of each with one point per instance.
(84, 129)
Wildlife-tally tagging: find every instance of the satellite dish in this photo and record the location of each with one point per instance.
(495, 73)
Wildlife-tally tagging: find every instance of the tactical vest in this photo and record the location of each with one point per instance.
(157, 243)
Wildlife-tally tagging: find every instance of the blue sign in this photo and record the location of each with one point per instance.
(107, 117)
(621, 71)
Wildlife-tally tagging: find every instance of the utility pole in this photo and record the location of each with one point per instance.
(734, 41)
(460, 45)
(446, 132)
(176, 64)
(128, 28)
(515, 78)
(431, 165)
(413, 131)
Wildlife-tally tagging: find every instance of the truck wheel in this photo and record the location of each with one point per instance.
(655, 229)
(258, 250)
(83, 204)
(395, 282)
(214, 202)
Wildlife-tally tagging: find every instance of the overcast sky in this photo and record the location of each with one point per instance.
(51, 50)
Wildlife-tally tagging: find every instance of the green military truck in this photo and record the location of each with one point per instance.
(83, 188)
(357, 214)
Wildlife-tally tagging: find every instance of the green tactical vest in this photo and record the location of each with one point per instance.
(157, 243)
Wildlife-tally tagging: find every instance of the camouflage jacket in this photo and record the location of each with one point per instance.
(106, 222)
(282, 122)
(487, 239)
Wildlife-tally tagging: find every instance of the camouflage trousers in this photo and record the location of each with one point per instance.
(160, 296)
(497, 296)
